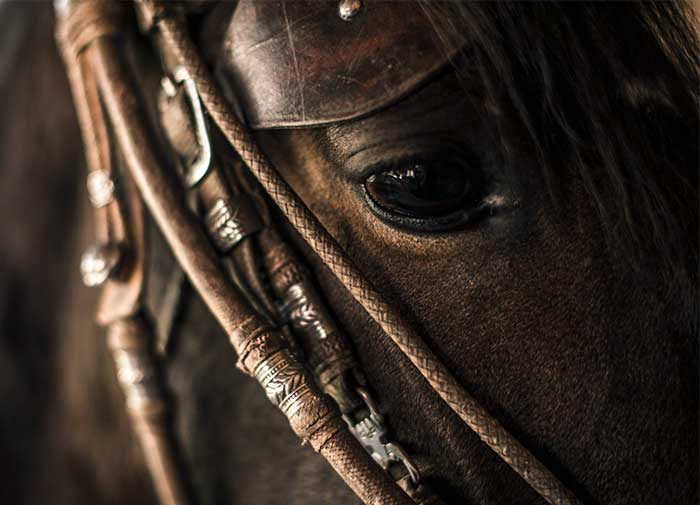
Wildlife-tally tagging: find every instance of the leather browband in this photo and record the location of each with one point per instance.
(298, 64)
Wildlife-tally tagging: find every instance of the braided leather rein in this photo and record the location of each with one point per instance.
(330, 252)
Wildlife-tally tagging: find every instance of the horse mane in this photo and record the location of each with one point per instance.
(608, 90)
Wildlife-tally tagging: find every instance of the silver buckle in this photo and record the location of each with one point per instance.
(198, 169)
(371, 432)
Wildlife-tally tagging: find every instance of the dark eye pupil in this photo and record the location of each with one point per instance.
(420, 189)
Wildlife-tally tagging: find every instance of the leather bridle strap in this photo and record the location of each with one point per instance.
(394, 325)
(261, 349)
(121, 237)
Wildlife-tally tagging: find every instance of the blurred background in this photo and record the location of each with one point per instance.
(41, 187)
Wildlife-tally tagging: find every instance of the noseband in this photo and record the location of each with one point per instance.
(220, 229)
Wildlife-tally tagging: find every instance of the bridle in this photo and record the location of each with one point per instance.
(214, 220)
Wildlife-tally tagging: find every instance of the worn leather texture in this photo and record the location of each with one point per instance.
(297, 63)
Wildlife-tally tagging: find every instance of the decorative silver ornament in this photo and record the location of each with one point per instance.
(302, 307)
(230, 222)
(348, 9)
(98, 263)
(100, 188)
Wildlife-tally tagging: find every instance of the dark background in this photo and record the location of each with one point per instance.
(41, 164)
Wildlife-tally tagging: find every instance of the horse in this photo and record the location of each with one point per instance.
(531, 207)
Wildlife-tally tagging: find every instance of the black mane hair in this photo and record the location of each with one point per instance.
(609, 90)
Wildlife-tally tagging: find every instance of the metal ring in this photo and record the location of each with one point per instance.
(195, 172)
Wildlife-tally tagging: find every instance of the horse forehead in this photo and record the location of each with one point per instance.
(298, 64)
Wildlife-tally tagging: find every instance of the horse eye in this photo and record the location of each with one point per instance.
(423, 190)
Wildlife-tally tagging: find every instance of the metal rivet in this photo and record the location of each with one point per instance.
(348, 9)
(98, 263)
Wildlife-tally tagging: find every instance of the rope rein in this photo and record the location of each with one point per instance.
(411, 344)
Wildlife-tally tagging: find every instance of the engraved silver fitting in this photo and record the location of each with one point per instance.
(327, 353)
(100, 262)
(229, 222)
(302, 307)
(372, 433)
(100, 187)
(284, 380)
(129, 340)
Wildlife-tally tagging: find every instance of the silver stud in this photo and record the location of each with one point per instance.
(99, 263)
(348, 9)
(100, 188)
